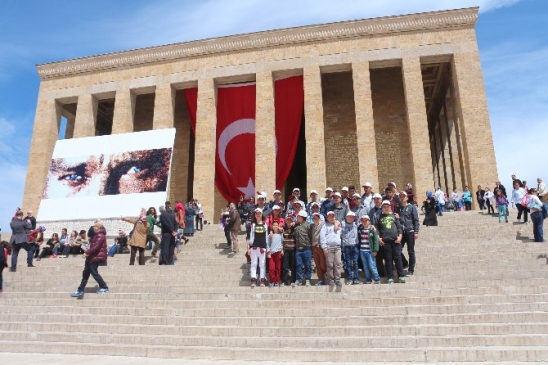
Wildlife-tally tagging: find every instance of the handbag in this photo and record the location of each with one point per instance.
(525, 200)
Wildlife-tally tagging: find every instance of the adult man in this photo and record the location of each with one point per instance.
(409, 218)
(32, 219)
(355, 205)
(542, 193)
(499, 186)
(168, 206)
(289, 208)
(261, 204)
(327, 204)
(169, 231)
(313, 199)
(18, 240)
(338, 207)
(367, 197)
(439, 195)
(344, 195)
(233, 227)
(390, 235)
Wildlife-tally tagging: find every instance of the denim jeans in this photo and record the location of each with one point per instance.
(91, 268)
(304, 258)
(536, 217)
(16, 248)
(503, 212)
(351, 254)
(441, 208)
(369, 267)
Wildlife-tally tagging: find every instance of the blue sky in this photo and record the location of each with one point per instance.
(512, 36)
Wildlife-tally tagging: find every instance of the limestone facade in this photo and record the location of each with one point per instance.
(388, 99)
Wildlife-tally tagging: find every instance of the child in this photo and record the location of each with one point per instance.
(303, 246)
(259, 246)
(349, 240)
(330, 238)
(390, 236)
(275, 255)
(289, 272)
(369, 246)
(502, 205)
(317, 252)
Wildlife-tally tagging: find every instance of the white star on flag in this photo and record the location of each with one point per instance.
(249, 190)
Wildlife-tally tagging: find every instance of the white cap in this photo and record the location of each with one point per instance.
(314, 205)
(316, 213)
(303, 214)
(385, 202)
(261, 196)
(392, 183)
(337, 194)
(299, 202)
(328, 189)
(368, 184)
(331, 212)
(277, 192)
(377, 195)
(350, 213)
(276, 207)
(365, 216)
(297, 189)
(313, 192)
(403, 193)
(258, 210)
(344, 188)
(356, 196)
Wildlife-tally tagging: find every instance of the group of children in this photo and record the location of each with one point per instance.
(291, 243)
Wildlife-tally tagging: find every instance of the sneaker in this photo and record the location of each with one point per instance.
(320, 283)
(369, 282)
(299, 283)
(349, 282)
(293, 284)
(331, 283)
(253, 282)
(377, 282)
(410, 273)
(282, 284)
(338, 283)
(401, 279)
(31, 265)
(76, 293)
(102, 291)
(53, 256)
(390, 281)
(307, 283)
(276, 284)
(37, 258)
(357, 282)
(263, 282)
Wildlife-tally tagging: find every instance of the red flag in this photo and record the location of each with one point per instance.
(191, 98)
(289, 103)
(235, 155)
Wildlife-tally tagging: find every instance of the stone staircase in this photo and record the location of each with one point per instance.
(480, 293)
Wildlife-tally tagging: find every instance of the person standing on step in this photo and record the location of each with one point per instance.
(275, 255)
(502, 206)
(259, 246)
(369, 246)
(489, 201)
(480, 195)
(535, 206)
(330, 238)
(169, 228)
(440, 200)
(233, 226)
(151, 237)
(288, 266)
(304, 249)
(542, 192)
(367, 197)
(199, 216)
(467, 198)
(517, 196)
(3, 262)
(180, 218)
(19, 240)
(409, 218)
(390, 235)
(349, 242)
(138, 240)
(317, 252)
(95, 256)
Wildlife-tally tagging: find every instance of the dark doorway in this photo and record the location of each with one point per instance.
(297, 175)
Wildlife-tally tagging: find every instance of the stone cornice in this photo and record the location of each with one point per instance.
(261, 40)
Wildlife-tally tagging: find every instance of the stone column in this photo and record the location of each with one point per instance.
(265, 134)
(418, 126)
(204, 161)
(163, 107)
(441, 154)
(448, 153)
(124, 112)
(86, 116)
(471, 107)
(365, 124)
(314, 130)
(453, 141)
(44, 135)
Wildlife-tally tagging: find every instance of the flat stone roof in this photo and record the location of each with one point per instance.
(421, 22)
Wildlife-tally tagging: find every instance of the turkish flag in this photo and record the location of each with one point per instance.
(235, 154)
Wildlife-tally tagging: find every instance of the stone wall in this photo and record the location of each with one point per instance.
(144, 112)
(391, 129)
(339, 118)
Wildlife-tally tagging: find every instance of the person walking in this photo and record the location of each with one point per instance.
(502, 206)
(535, 206)
(234, 227)
(138, 240)
(95, 256)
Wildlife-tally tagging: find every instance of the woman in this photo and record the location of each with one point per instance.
(467, 198)
(259, 246)
(535, 206)
(190, 210)
(51, 244)
(429, 207)
(517, 196)
(180, 215)
(71, 240)
(138, 240)
(151, 219)
(480, 193)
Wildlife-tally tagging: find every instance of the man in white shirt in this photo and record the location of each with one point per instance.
(542, 193)
(440, 200)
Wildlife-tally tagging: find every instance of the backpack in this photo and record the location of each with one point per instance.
(32, 235)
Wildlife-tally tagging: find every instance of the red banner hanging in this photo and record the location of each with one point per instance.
(289, 102)
(235, 154)
(191, 98)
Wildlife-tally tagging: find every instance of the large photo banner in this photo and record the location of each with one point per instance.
(107, 176)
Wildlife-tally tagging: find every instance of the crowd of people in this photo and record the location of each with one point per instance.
(175, 224)
(345, 231)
